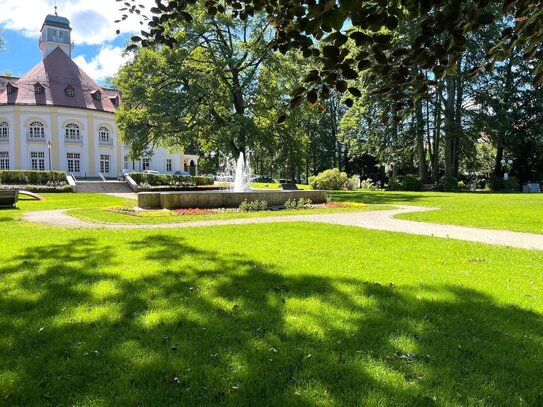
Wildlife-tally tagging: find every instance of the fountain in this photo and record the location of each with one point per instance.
(243, 173)
(226, 199)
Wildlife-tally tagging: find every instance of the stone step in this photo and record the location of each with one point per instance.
(102, 187)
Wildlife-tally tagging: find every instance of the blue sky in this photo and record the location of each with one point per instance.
(98, 50)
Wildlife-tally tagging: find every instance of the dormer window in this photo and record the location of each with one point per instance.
(10, 89)
(97, 95)
(70, 92)
(38, 89)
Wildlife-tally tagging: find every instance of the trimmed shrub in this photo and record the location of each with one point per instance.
(301, 203)
(253, 206)
(290, 204)
(39, 188)
(448, 184)
(22, 177)
(405, 183)
(329, 180)
(169, 180)
(304, 203)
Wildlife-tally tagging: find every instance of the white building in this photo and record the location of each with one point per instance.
(56, 117)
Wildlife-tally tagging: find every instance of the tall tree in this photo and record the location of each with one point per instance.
(205, 89)
(300, 24)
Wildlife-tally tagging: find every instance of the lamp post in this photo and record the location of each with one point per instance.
(48, 144)
(505, 173)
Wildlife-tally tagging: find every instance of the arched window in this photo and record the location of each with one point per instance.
(71, 132)
(36, 131)
(103, 135)
(4, 130)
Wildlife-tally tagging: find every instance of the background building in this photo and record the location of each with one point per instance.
(56, 117)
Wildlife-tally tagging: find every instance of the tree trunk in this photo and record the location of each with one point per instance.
(394, 141)
(450, 128)
(421, 151)
(498, 171)
(239, 107)
(459, 130)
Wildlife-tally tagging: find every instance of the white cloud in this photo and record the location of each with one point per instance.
(92, 21)
(106, 63)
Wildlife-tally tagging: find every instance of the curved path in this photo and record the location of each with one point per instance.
(378, 220)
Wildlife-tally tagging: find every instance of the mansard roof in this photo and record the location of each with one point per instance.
(55, 73)
(56, 21)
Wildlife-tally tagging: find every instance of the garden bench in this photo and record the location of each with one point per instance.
(428, 187)
(8, 199)
(289, 187)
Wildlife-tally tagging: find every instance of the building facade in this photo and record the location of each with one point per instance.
(55, 117)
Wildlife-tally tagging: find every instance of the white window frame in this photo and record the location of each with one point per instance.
(37, 161)
(145, 163)
(4, 160)
(103, 135)
(72, 132)
(105, 163)
(4, 130)
(74, 162)
(36, 130)
(125, 162)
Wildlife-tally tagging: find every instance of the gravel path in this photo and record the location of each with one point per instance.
(378, 220)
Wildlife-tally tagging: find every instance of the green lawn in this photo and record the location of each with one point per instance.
(277, 314)
(516, 212)
(264, 185)
(104, 216)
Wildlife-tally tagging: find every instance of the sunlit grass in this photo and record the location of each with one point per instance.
(516, 212)
(277, 314)
(103, 215)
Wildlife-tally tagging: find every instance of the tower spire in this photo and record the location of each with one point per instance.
(56, 8)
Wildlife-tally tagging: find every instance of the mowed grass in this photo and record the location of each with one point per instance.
(515, 212)
(275, 185)
(102, 215)
(278, 314)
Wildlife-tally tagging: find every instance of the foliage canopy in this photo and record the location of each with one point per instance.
(442, 30)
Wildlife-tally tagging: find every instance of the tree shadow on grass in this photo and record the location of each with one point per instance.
(380, 198)
(209, 328)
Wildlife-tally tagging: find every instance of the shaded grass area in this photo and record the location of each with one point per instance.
(277, 314)
(265, 185)
(516, 212)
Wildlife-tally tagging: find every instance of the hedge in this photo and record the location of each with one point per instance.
(18, 177)
(167, 179)
(407, 182)
(40, 189)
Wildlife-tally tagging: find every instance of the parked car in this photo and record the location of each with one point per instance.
(263, 179)
(151, 172)
(222, 177)
(182, 174)
(124, 173)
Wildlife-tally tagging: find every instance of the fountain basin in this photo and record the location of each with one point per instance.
(222, 199)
